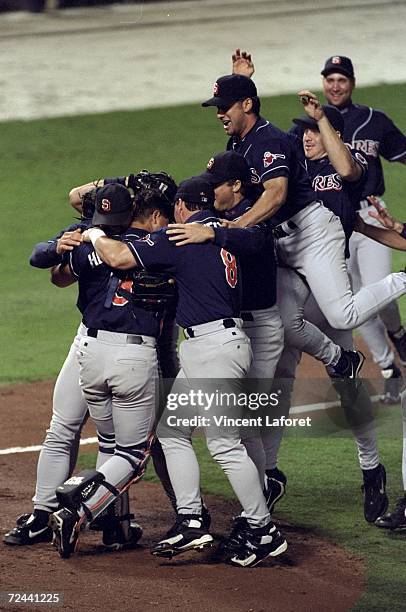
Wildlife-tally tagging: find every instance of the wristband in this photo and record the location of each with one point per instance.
(94, 233)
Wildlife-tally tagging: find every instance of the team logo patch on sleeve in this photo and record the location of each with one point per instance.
(269, 158)
(210, 163)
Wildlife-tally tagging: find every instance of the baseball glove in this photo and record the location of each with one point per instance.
(150, 290)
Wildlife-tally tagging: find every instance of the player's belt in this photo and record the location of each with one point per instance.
(284, 229)
(119, 338)
(209, 328)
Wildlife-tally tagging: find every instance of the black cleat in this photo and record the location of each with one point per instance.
(393, 385)
(348, 366)
(395, 519)
(399, 342)
(247, 546)
(188, 533)
(29, 529)
(275, 487)
(116, 539)
(374, 490)
(65, 525)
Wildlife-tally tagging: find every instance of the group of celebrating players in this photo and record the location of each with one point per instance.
(276, 249)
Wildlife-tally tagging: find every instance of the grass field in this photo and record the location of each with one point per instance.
(42, 160)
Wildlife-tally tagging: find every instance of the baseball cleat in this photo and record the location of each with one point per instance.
(392, 386)
(275, 487)
(399, 342)
(115, 538)
(29, 530)
(374, 490)
(64, 524)
(395, 519)
(348, 366)
(188, 533)
(248, 546)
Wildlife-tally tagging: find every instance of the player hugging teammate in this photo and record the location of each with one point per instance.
(215, 270)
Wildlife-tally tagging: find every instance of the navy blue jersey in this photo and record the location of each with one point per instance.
(258, 263)
(271, 153)
(340, 196)
(208, 277)
(101, 306)
(372, 133)
(44, 254)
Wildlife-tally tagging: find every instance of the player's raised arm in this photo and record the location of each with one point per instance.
(337, 151)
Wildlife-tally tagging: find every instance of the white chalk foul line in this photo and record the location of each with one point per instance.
(33, 449)
(294, 410)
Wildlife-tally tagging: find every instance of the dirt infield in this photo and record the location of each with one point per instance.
(313, 575)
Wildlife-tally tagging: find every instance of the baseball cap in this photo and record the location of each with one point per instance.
(332, 114)
(231, 88)
(113, 205)
(226, 166)
(339, 63)
(196, 190)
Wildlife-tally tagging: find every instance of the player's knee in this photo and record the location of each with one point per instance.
(224, 450)
(61, 438)
(342, 320)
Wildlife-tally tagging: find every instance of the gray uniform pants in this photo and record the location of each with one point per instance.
(69, 412)
(214, 359)
(119, 380)
(316, 250)
(265, 332)
(365, 434)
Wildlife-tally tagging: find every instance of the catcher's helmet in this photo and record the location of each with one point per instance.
(159, 181)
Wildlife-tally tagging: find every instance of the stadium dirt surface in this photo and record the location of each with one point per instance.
(316, 573)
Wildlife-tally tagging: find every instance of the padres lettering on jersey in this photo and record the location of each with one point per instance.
(372, 133)
(340, 196)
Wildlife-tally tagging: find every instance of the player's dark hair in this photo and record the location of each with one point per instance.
(148, 200)
(256, 105)
(192, 206)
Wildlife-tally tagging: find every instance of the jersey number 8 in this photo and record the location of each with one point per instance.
(230, 264)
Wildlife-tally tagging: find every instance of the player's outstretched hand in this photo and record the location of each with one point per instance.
(242, 63)
(189, 233)
(68, 241)
(380, 213)
(231, 224)
(311, 104)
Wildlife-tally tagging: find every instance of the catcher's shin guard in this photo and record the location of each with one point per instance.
(119, 532)
(77, 489)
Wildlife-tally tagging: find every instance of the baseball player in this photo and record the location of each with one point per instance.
(59, 451)
(229, 174)
(215, 348)
(310, 237)
(371, 132)
(118, 366)
(394, 236)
